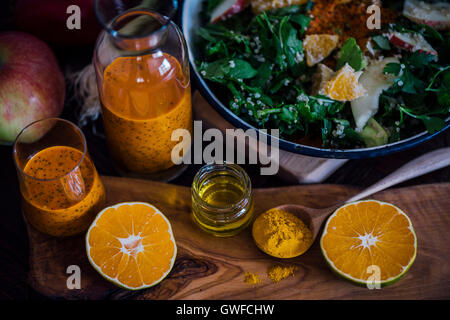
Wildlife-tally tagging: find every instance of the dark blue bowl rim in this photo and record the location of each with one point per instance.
(293, 147)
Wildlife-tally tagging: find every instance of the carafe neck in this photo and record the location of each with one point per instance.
(138, 31)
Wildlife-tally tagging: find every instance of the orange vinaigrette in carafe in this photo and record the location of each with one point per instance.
(144, 99)
(142, 68)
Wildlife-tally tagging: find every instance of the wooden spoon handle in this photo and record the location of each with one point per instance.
(431, 161)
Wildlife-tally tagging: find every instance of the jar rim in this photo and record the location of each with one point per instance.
(69, 123)
(106, 24)
(232, 168)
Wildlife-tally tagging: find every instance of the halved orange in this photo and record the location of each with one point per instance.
(368, 237)
(132, 245)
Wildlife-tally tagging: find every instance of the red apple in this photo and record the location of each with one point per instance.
(436, 14)
(47, 19)
(411, 42)
(32, 85)
(228, 8)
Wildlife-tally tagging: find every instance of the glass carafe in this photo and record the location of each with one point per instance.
(142, 69)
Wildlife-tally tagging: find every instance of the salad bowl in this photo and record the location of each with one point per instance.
(192, 20)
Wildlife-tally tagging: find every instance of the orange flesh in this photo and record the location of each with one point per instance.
(132, 244)
(67, 200)
(144, 99)
(344, 86)
(369, 233)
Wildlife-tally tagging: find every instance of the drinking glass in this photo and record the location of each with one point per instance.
(60, 188)
(142, 70)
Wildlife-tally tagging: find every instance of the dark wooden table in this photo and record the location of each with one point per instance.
(13, 236)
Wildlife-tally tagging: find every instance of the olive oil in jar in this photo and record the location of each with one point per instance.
(222, 202)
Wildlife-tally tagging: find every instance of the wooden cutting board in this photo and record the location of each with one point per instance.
(213, 268)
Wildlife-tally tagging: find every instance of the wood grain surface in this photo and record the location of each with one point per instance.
(213, 268)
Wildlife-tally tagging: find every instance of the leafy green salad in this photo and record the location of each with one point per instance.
(260, 61)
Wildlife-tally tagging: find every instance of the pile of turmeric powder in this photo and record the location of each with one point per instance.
(251, 278)
(277, 273)
(281, 234)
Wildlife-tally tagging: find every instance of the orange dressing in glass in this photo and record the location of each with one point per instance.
(144, 99)
(65, 195)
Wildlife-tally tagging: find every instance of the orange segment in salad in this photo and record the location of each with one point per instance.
(344, 85)
(318, 47)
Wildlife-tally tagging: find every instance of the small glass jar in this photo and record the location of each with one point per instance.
(222, 200)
